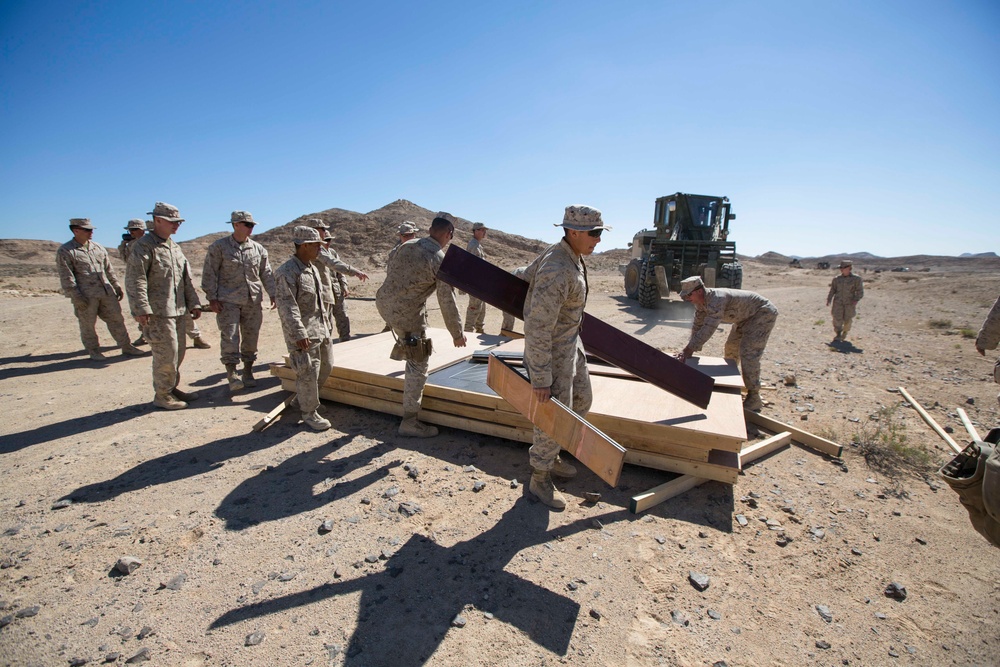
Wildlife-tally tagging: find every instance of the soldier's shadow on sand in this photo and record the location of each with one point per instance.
(55, 363)
(408, 603)
(844, 347)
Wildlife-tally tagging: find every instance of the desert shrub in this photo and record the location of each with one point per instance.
(882, 442)
(939, 324)
(968, 333)
(819, 323)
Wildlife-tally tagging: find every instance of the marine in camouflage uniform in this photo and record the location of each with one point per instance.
(508, 320)
(234, 279)
(336, 269)
(161, 296)
(305, 321)
(407, 231)
(134, 230)
(475, 313)
(845, 292)
(553, 351)
(89, 281)
(411, 278)
(989, 338)
(752, 317)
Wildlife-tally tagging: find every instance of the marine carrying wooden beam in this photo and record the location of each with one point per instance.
(507, 292)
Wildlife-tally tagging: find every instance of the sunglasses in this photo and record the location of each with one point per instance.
(596, 233)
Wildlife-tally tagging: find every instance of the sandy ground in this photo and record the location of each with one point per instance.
(228, 523)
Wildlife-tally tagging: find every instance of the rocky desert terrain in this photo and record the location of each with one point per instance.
(288, 547)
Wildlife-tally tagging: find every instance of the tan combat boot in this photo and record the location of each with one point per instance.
(248, 379)
(314, 421)
(542, 488)
(235, 383)
(412, 427)
(186, 396)
(752, 402)
(201, 343)
(141, 340)
(131, 350)
(96, 355)
(168, 402)
(563, 469)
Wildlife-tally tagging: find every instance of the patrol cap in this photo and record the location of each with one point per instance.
(689, 285)
(82, 223)
(305, 235)
(135, 223)
(582, 218)
(241, 216)
(478, 225)
(316, 223)
(845, 263)
(166, 211)
(149, 225)
(407, 228)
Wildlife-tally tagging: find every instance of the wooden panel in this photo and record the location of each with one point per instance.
(591, 447)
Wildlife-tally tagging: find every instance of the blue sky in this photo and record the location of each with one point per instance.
(832, 126)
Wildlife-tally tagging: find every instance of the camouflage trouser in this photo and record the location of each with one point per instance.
(191, 327)
(571, 385)
(508, 322)
(340, 315)
(166, 340)
(414, 378)
(475, 315)
(109, 310)
(311, 367)
(843, 312)
(239, 329)
(746, 344)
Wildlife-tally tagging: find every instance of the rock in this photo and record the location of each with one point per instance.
(660, 539)
(824, 613)
(514, 484)
(919, 540)
(62, 504)
(478, 486)
(679, 618)
(572, 585)
(27, 612)
(287, 576)
(409, 509)
(391, 492)
(742, 520)
(326, 527)
(114, 656)
(595, 614)
(145, 632)
(895, 591)
(6, 620)
(783, 541)
(714, 615)
(371, 558)
(822, 644)
(458, 622)
(818, 533)
(413, 472)
(91, 622)
(469, 469)
(142, 656)
(253, 639)
(970, 401)
(127, 564)
(176, 582)
(698, 580)
(76, 662)
(592, 497)
(790, 380)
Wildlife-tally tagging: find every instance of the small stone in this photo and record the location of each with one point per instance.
(660, 539)
(6, 620)
(142, 656)
(783, 541)
(919, 540)
(175, 583)
(595, 614)
(366, 501)
(409, 509)
(127, 564)
(62, 504)
(478, 486)
(287, 576)
(459, 620)
(714, 615)
(514, 484)
(371, 558)
(856, 551)
(326, 527)
(824, 613)
(91, 622)
(413, 472)
(28, 612)
(391, 492)
(679, 618)
(114, 656)
(698, 580)
(790, 380)
(77, 662)
(253, 639)
(822, 644)
(469, 469)
(592, 497)
(742, 520)
(572, 585)
(895, 591)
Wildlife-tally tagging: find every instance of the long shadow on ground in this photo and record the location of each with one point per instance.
(407, 608)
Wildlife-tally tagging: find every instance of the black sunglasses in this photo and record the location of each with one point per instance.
(596, 233)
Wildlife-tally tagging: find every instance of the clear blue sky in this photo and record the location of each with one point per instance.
(832, 126)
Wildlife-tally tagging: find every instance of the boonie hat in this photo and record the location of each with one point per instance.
(149, 225)
(82, 223)
(689, 285)
(407, 228)
(844, 263)
(135, 223)
(582, 218)
(316, 223)
(478, 225)
(305, 235)
(167, 212)
(241, 216)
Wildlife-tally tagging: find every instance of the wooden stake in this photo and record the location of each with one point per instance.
(798, 435)
(273, 414)
(930, 421)
(973, 433)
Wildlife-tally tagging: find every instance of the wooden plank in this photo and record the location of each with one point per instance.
(726, 474)
(798, 435)
(970, 429)
(930, 421)
(764, 447)
(592, 448)
(505, 291)
(273, 414)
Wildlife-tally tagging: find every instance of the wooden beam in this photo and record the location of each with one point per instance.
(973, 433)
(798, 435)
(592, 448)
(764, 447)
(273, 414)
(930, 421)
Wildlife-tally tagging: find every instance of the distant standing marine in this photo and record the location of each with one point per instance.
(845, 292)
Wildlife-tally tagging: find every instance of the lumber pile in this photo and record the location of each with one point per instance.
(658, 430)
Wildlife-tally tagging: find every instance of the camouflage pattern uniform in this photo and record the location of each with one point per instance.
(845, 292)
(336, 267)
(410, 280)
(237, 274)
(158, 283)
(989, 338)
(88, 279)
(475, 313)
(752, 317)
(553, 352)
(508, 320)
(298, 291)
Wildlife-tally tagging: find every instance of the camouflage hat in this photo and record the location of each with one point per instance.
(478, 225)
(135, 223)
(689, 285)
(316, 223)
(82, 223)
(407, 228)
(149, 225)
(167, 212)
(305, 235)
(241, 216)
(845, 264)
(582, 219)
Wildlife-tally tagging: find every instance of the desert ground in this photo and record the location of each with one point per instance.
(238, 569)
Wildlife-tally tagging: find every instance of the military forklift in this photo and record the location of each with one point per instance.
(688, 239)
